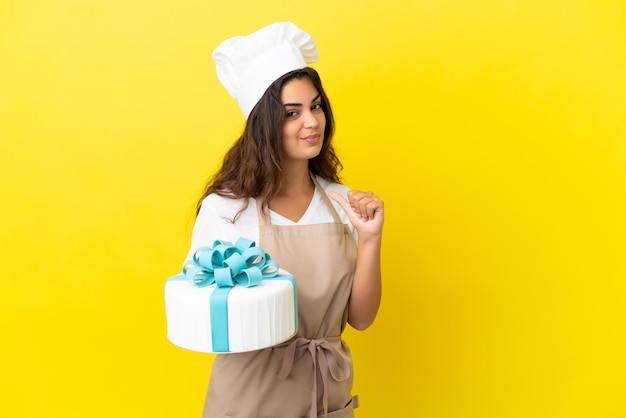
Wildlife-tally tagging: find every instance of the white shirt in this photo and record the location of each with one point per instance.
(214, 219)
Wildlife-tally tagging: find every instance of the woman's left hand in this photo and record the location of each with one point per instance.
(364, 209)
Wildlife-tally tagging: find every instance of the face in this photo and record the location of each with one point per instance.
(304, 124)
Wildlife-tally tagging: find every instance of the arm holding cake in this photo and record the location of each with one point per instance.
(365, 211)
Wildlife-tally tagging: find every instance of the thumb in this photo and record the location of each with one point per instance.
(341, 200)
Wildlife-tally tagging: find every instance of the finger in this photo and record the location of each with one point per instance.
(364, 203)
(369, 208)
(355, 198)
(373, 206)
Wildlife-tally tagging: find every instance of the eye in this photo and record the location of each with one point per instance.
(291, 114)
(317, 106)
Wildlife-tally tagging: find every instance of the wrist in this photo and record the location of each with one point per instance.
(370, 238)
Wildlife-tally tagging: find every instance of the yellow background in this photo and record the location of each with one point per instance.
(494, 130)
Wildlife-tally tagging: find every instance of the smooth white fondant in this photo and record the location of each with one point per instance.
(258, 317)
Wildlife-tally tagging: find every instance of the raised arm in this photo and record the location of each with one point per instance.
(365, 211)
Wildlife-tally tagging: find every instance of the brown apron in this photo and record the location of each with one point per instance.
(311, 374)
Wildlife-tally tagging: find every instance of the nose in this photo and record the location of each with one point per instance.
(310, 120)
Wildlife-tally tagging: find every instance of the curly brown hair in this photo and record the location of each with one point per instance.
(253, 167)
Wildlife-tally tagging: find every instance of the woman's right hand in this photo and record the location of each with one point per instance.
(364, 210)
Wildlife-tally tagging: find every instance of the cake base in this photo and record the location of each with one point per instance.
(258, 317)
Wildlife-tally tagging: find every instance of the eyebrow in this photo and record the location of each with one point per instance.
(300, 104)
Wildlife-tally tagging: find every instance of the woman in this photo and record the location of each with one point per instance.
(277, 186)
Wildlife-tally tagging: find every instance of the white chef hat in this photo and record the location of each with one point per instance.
(248, 65)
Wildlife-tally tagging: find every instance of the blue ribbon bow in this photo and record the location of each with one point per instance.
(228, 265)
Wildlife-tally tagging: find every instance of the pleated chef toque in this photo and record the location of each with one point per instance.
(248, 65)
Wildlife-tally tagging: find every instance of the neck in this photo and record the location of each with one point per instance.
(297, 180)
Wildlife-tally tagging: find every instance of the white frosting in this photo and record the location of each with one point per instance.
(258, 317)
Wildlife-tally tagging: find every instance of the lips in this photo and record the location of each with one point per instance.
(312, 139)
